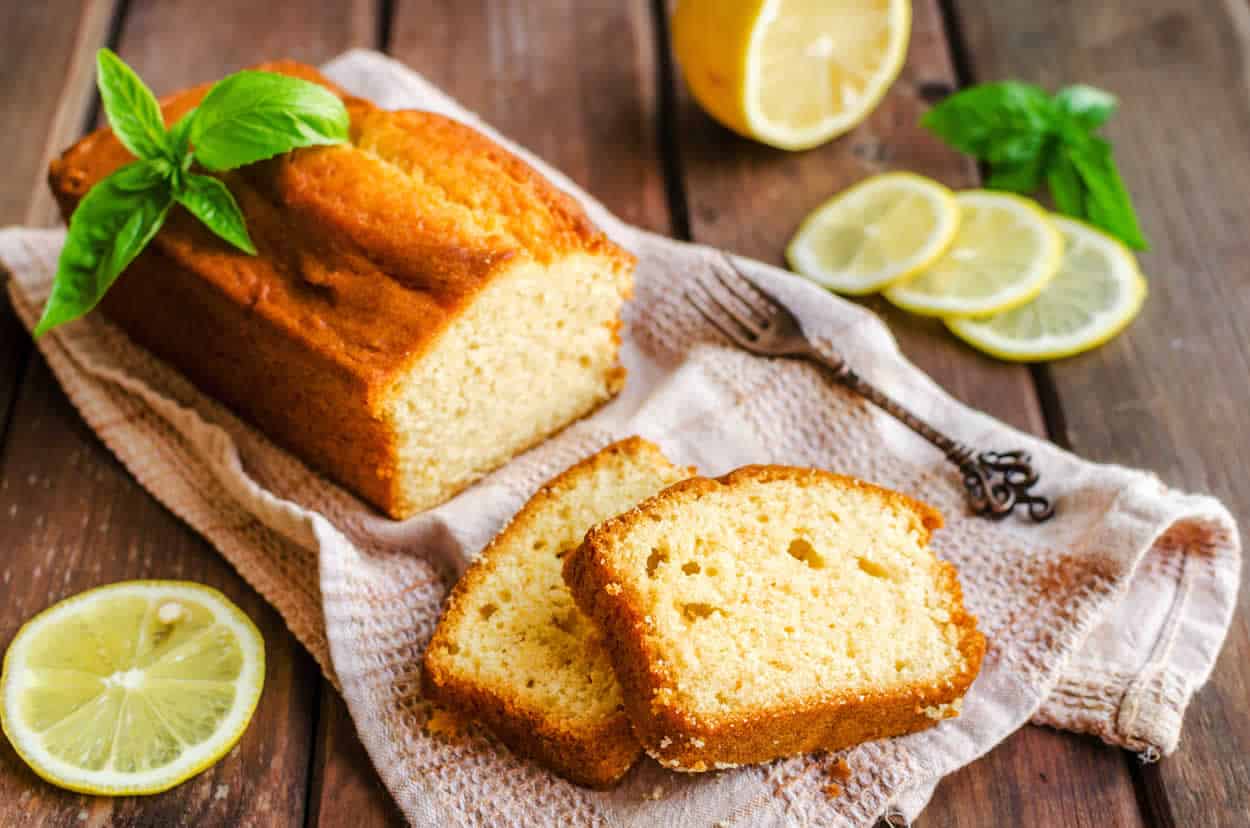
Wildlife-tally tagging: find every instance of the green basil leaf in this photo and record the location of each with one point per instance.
(251, 116)
(210, 201)
(1086, 105)
(1024, 177)
(131, 108)
(994, 119)
(1107, 202)
(1064, 184)
(1016, 148)
(112, 224)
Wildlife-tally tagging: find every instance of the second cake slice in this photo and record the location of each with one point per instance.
(776, 611)
(512, 648)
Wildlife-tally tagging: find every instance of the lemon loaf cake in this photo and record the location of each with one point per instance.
(512, 648)
(424, 304)
(776, 611)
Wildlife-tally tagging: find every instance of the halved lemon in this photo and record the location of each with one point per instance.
(1004, 253)
(790, 73)
(131, 688)
(1096, 294)
(883, 229)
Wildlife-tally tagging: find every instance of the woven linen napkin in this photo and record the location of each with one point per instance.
(1105, 620)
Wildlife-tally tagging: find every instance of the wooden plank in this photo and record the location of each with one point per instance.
(345, 785)
(572, 83)
(47, 108)
(47, 82)
(173, 43)
(1171, 393)
(70, 517)
(750, 198)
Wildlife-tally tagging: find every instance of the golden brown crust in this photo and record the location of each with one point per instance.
(367, 252)
(596, 757)
(685, 740)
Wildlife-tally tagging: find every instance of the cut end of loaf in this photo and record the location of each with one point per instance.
(513, 649)
(776, 611)
(534, 352)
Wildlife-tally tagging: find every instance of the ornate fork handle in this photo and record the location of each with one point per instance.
(996, 482)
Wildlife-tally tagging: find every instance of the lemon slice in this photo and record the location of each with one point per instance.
(131, 688)
(879, 231)
(790, 73)
(1097, 292)
(1004, 253)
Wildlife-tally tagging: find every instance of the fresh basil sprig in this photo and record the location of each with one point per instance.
(246, 117)
(1030, 138)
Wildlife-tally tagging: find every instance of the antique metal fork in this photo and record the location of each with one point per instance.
(996, 482)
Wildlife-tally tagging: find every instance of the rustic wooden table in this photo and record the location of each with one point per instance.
(592, 88)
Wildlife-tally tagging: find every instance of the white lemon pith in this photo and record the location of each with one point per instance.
(883, 229)
(131, 688)
(1004, 253)
(1096, 293)
(791, 73)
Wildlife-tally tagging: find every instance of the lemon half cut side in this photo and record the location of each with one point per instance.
(791, 73)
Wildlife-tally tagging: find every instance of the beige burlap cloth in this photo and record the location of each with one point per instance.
(1105, 620)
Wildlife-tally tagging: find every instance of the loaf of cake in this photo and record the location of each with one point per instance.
(773, 612)
(512, 649)
(423, 307)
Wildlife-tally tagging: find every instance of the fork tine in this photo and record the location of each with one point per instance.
(737, 336)
(773, 302)
(745, 320)
(729, 283)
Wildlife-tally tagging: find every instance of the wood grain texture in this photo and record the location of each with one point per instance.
(46, 65)
(175, 43)
(750, 198)
(1171, 393)
(72, 518)
(346, 790)
(47, 83)
(571, 81)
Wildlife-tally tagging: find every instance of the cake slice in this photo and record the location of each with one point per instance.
(513, 650)
(776, 611)
(422, 307)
